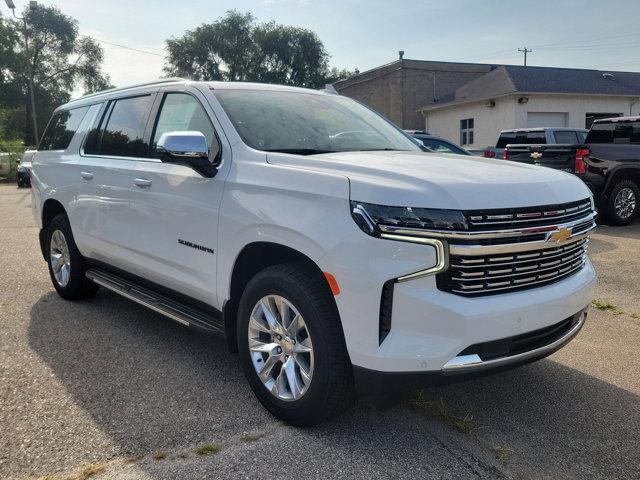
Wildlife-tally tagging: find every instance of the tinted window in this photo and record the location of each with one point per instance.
(521, 138)
(123, 134)
(61, 128)
(614, 132)
(181, 112)
(566, 137)
(441, 146)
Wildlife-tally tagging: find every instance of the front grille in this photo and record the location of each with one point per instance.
(506, 218)
(489, 274)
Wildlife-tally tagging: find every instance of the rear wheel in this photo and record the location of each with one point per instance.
(291, 346)
(66, 265)
(622, 204)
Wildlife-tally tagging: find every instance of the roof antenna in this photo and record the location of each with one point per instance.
(401, 54)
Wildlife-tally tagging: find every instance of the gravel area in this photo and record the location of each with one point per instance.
(108, 390)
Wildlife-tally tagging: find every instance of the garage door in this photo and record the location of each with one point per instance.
(546, 119)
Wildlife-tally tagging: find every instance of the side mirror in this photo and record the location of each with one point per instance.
(186, 148)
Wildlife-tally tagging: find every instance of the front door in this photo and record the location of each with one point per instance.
(174, 209)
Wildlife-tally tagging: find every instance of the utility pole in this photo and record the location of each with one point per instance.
(525, 50)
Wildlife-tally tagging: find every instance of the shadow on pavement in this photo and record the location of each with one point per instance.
(150, 385)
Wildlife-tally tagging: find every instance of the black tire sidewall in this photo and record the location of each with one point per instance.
(314, 401)
(78, 286)
(611, 212)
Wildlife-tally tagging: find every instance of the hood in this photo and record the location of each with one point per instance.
(432, 180)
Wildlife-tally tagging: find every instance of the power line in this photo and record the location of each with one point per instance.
(128, 48)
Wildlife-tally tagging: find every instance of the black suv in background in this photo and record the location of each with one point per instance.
(608, 161)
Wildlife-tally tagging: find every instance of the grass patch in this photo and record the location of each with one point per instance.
(91, 470)
(503, 454)
(132, 459)
(251, 437)
(83, 473)
(635, 315)
(209, 449)
(160, 455)
(600, 305)
(438, 409)
(183, 456)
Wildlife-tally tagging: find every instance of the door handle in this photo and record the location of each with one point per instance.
(86, 175)
(142, 182)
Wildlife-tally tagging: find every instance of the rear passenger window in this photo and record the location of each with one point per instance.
(566, 137)
(121, 131)
(181, 112)
(536, 137)
(61, 128)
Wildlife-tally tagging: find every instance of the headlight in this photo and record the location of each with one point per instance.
(369, 217)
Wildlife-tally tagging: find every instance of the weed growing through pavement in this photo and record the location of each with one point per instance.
(209, 449)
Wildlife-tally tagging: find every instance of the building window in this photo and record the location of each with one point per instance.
(466, 131)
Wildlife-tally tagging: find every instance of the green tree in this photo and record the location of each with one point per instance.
(48, 60)
(236, 48)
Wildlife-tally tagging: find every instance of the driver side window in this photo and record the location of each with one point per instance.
(181, 112)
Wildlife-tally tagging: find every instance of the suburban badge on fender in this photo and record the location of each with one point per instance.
(195, 245)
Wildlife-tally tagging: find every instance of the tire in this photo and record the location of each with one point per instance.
(623, 202)
(66, 265)
(329, 390)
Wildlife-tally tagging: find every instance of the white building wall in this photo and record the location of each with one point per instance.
(508, 113)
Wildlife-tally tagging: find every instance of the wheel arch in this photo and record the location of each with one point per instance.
(253, 258)
(50, 210)
(622, 172)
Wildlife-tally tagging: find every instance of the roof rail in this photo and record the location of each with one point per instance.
(144, 84)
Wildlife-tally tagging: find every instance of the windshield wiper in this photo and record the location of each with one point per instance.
(301, 151)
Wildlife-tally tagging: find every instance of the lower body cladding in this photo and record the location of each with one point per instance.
(437, 337)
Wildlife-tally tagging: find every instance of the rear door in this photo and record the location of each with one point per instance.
(174, 209)
(109, 157)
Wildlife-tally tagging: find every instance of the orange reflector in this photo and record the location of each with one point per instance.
(333, 283)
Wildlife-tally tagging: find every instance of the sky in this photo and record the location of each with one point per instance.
(367, 33)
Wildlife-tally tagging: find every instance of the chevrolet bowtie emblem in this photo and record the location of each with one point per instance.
(535, 155)
(559, 235)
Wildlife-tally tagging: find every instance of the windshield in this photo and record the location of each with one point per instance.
(307, 123)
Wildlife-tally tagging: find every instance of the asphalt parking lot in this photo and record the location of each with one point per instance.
(106, 389)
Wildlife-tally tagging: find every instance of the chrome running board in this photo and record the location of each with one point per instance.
(176, 311)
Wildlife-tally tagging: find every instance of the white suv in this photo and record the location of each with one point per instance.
(334, 255)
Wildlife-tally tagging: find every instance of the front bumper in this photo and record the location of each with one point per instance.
(385, 388)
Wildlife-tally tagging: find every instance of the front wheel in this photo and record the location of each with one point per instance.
(291, 345)
(622, 204)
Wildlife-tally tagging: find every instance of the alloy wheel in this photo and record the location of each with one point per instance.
(625, 203)
(280, 347)
(59, 258)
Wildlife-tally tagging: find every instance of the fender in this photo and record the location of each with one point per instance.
(612, 173)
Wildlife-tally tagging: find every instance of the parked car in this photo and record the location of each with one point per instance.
(437, 144)
(23, 169)
(538, 136)
(307, 230)
(608, 161)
